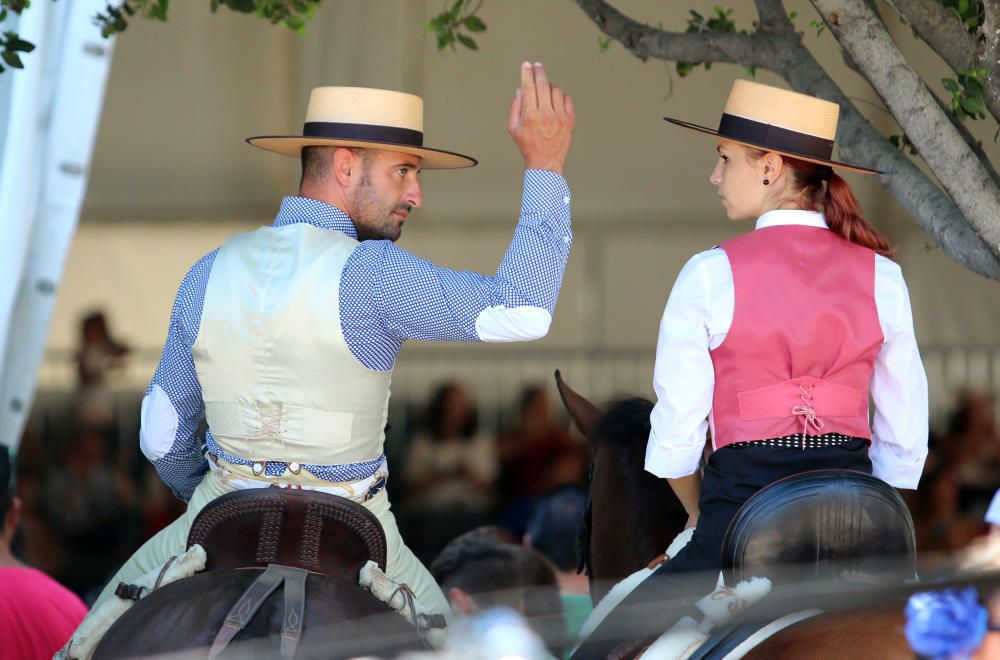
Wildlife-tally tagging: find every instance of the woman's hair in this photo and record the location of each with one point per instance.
(839, 205)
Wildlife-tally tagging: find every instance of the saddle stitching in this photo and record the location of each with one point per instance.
(267, 538)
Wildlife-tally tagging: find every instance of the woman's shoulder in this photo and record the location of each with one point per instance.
(888, 273)
(710, 265)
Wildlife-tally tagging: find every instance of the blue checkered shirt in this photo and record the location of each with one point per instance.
(387, 296)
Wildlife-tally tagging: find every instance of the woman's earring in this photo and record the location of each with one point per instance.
(766, 181)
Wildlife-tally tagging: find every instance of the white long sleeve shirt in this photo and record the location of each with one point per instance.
(696, 319)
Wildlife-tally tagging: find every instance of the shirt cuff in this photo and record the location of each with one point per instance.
(893, 470)
(546, 200)
(672, 462)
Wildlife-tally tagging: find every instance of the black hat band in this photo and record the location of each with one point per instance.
(773, 137)
(364, 132)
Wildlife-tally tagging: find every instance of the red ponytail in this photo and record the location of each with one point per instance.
(843, 216)
(839, 205)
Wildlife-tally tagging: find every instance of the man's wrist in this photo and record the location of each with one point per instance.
(547, 165)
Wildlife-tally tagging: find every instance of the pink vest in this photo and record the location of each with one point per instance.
(805, 333)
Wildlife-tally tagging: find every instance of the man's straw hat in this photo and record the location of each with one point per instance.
(367, 118)
(779, 120)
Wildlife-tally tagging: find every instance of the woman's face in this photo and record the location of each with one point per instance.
(739, 179)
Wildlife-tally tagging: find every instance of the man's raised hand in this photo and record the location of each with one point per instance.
(541, 120)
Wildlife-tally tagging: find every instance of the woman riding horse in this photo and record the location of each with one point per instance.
(774, 339)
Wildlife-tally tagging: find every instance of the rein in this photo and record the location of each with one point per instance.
(585, 533)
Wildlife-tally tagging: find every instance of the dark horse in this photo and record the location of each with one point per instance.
(633, 516)
(281, 581)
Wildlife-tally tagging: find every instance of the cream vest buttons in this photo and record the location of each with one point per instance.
(294, 467)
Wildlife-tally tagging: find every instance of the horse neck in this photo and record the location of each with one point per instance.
(629, 527)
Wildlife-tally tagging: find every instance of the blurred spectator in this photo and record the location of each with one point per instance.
(449, 474)
(97, 355)
(477, 571)
(553, 530)
(451, 464)
(90, 506)
(539, 453)
(961, 477)
(37, 615)
(536, 455)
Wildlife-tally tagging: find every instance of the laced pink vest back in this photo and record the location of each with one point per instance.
(801, 349)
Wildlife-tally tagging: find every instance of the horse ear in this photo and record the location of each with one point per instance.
(583, 412)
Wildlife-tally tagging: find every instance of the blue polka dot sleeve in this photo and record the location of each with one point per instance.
(389, 295)
(183, 466)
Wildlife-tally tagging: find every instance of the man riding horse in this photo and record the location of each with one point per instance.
(283, 340)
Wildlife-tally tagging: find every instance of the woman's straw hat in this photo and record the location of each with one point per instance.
(779, 120)
(367, 118)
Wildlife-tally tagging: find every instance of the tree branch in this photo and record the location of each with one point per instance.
(774, 16)
(940, 29)
(644, 41)
(990, 57)
(857, 139)
(914, 107)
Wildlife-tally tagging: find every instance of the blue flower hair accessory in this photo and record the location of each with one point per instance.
(946, 625)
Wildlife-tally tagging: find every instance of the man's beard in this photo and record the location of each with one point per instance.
(372, 216)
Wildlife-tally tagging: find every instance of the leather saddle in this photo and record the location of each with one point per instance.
(314, 531)
(821, 524)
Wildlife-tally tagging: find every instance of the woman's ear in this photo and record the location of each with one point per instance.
(773, 165)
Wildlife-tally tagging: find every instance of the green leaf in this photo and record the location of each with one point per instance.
(468, 42)
(474, 24)
(456, 9)
(792, 15)
(11, 58)
(973, 105)
(950, 84)
(159, 10)
(445, 39)
(603, 44)
(973, 87)
(243, 6)
(684, 68)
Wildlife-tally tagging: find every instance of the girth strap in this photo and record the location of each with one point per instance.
(295, 604)
(243, 611)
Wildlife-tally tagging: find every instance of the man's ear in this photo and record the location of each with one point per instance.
(461, 602)
(345, 167)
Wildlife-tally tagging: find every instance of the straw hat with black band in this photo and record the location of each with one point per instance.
(366, 118)
(779, 120)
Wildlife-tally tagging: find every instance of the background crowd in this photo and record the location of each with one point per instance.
(463, 480)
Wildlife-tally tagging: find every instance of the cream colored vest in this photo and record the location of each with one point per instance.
(277, 378)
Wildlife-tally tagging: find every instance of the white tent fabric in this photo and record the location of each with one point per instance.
(51, 123)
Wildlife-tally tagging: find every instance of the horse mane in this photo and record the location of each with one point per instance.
(625, 427)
